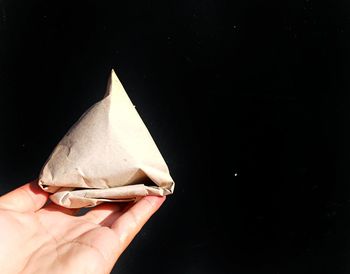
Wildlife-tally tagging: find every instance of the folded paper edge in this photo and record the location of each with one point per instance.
(70, 198)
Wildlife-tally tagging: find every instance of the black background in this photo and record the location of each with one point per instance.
(248, 102)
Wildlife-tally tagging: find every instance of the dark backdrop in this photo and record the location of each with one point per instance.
(247, 100)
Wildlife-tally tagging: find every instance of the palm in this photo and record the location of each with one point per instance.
(52, 240)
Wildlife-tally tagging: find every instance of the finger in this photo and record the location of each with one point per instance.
(105, 214)
(129, 224)
(27, 198)
(52, 207)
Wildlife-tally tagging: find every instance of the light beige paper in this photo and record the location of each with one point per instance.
(107, 156)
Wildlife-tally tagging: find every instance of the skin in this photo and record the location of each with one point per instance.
(41, 237)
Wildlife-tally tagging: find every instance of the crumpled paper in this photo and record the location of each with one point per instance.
(107, 156)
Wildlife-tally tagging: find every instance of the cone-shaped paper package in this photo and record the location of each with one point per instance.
(107, 156)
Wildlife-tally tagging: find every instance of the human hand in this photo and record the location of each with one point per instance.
(38, 238)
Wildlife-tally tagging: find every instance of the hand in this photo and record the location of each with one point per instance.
(38, 238)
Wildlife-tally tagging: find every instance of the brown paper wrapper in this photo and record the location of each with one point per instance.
(107, 156)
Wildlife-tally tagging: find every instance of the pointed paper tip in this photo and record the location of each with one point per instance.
(113, 74)
(114, 83)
